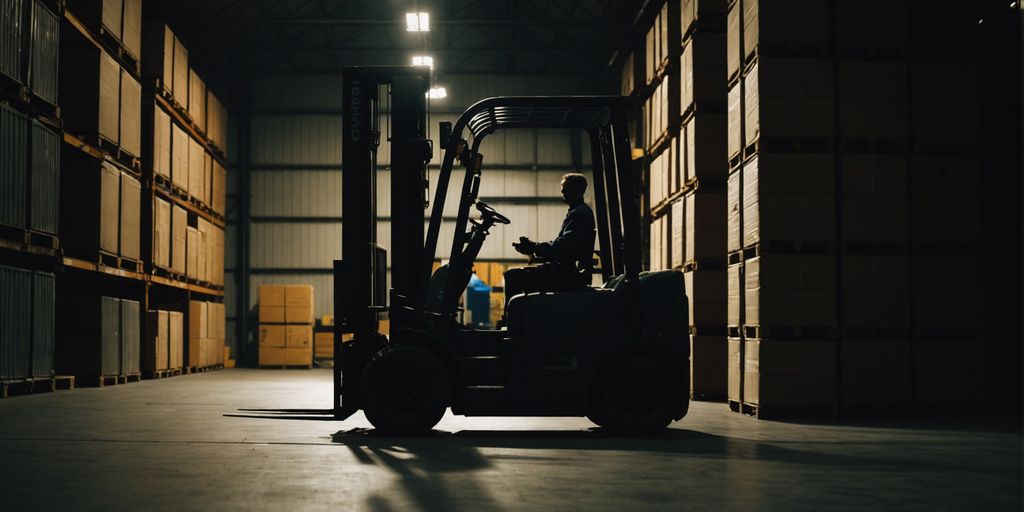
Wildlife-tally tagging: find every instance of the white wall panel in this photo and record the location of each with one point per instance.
(290, 140)
(554, 147)
(296, 193)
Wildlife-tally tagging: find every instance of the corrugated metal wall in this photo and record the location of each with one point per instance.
(295, 177)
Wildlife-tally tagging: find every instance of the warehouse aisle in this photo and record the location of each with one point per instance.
(174, 444)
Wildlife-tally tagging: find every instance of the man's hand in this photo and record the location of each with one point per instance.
(525, 246)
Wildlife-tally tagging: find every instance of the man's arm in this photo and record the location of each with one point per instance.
(571, 239)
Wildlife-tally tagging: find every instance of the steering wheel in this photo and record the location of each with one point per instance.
(489, 213)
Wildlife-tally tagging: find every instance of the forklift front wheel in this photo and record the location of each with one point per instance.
(404, 390)
(639, 395)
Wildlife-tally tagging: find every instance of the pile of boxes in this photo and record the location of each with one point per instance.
(206, 334)
(163, 343)
(286, 325)
(687, 184)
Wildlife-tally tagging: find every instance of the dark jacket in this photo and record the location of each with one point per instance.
(575, 241)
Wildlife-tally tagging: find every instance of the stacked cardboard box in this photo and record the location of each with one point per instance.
(286, 325)
(98, 336)
(206, 334)
(163, 341)
(100, 208)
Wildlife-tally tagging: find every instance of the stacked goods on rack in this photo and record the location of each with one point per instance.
(686, 136)
(286, 325)
(163, 343)
(26, 324)
(206, 335)
(829, 211)
(98, 338)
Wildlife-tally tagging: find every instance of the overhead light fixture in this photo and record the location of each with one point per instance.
(417, 22)
(437, 93)
(423, 60)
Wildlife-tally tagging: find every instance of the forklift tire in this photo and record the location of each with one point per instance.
(404, 390)
(639, 396)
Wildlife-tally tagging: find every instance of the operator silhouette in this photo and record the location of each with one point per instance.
(567, 261)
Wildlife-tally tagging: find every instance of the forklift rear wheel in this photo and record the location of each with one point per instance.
(404, 390)
(639, 396)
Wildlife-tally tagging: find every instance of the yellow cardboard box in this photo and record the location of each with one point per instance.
(299, 336)
(298, 304)
(272, 300)
(273, 336)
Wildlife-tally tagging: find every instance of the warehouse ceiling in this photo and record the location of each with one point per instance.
(246, 37)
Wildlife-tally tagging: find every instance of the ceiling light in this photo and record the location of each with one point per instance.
(437, 93)
(423, 60)
(417, 22)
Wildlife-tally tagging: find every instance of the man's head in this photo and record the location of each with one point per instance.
(574, 185)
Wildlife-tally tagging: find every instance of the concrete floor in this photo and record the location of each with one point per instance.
(187, 443)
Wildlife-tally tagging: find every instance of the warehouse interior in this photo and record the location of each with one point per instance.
(801, 290)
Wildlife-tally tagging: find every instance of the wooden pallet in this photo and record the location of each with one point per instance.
(783, 412)
(33, 385)
(113, 45)
(167, 273)
(107, 380)
(817, 247)
(161, 374)
(709, 330)
(784, 145)
(734, 331)
(286, 367)
(787, 49)
(109, 259)
(202, 369)
(702, 107)
(20, 239)
(789, 333)
(734, 257)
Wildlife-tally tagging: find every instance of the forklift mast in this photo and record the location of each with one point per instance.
(360, 277)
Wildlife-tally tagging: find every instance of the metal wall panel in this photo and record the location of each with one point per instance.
(15, 322)
(11, 24)
(13, 167)
(296, 194)
(45, 48)
(291, 245)
(296, 140)
(43, 326)
(45, 181)
(297, 93)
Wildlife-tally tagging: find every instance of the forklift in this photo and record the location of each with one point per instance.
(617, 354)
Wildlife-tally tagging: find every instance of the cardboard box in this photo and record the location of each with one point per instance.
(105, 15)
(733, 50)
(736, 117)
(196, 159)
(771, 23)
(179, 238)
(156, 344)
(131, 221)
(271, 356)
(272, 303)
(734, 347)
(131, 29)
(158, 54)
(198, 330)
(298, 304)
(272, 335)
(706, 145)
(176, 339)
(678, 233)
(706, 291)
(875, 373)
(299, 336)
(161, 142)
(708, 366)
(202, 253)
(733, 204)
(179, 157)
(705, 225)
(702, 70)
(790, 290)
(789, 373)
(90, 209)
(192, 252)
(220, 185)
(197, 100)
(734, 290)
(181, 77)
(90, 92)
(788, 197)
(887, 32)
(131, 115)
(161, 233)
